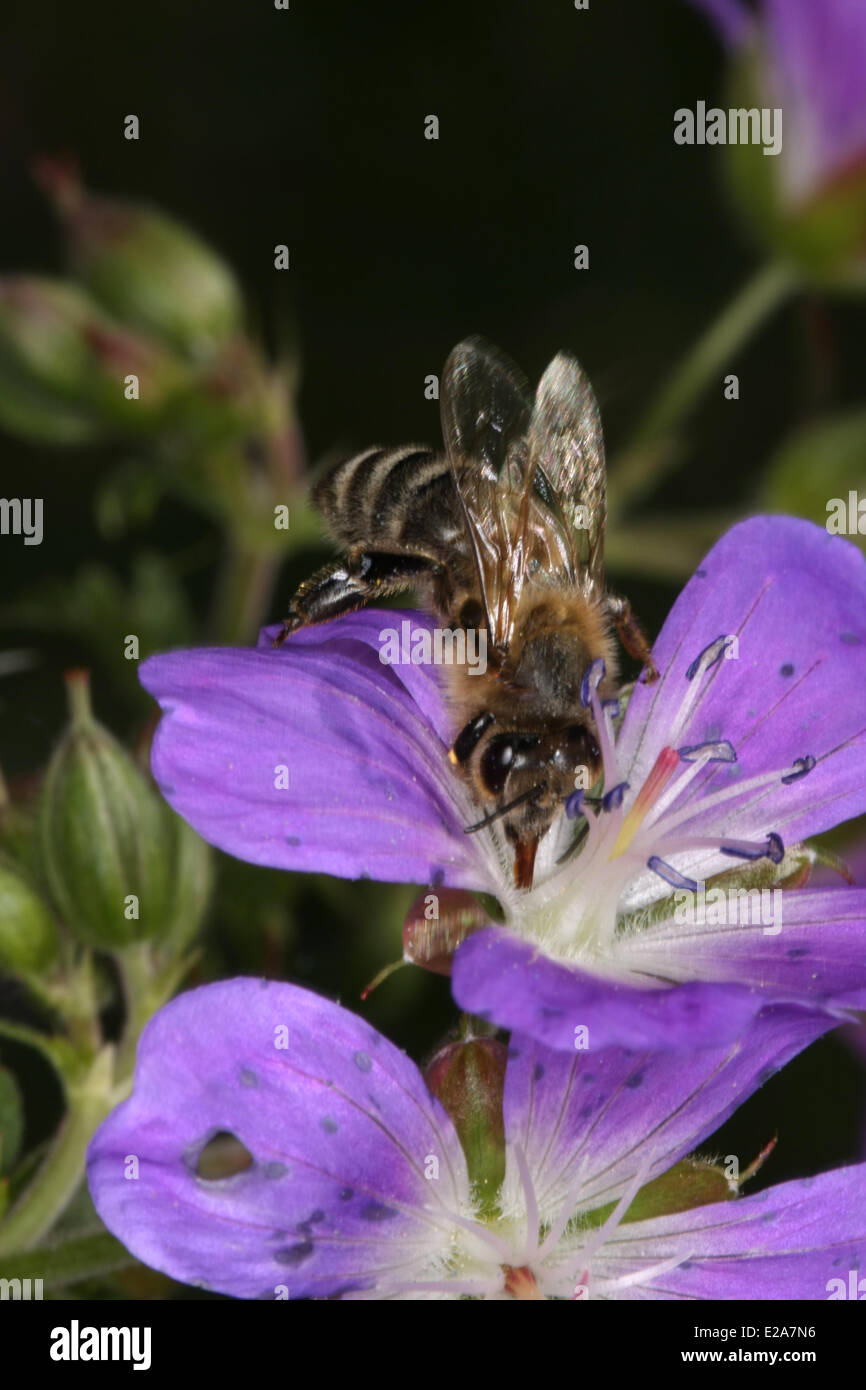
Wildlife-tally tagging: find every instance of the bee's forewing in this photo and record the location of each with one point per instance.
(567, 445)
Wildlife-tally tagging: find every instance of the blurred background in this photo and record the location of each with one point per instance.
(305, 128)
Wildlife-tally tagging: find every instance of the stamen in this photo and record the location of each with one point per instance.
(612, 707)
(708, 657)
(670, 874)
(735, 790)
(529, 1197)
(665, 765)
(612, 800)
(773, 850)
(591, 681)
(722, 752)
(566, 1212)
(604, 729)
(802, 766)
(639, 1276)
(601, 1233)
(702, 663)
(673, 792)
(574, 805)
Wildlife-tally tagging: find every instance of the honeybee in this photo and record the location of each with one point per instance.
(503, 533)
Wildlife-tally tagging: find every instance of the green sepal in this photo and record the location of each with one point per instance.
(106, 843)
(468, 1077)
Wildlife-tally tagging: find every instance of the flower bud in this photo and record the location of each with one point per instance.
(468, 1077)
(69, 374)
(28, 935)
(147, 269)
(191, 881)
(435, 925)
(805, 200)
(107, 846)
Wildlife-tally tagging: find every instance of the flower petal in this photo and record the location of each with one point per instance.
(499, 976)
(363, 747)
(340, 1127)
(795, 599)
(814, 954)
(599, 1118)
(787, 1242)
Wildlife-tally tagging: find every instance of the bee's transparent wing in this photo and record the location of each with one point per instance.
(486, 408)
(566, 462)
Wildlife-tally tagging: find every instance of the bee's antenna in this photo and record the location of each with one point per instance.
(503, 810)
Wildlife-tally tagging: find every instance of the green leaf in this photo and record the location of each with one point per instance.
(11, 1120)
(67, 1262)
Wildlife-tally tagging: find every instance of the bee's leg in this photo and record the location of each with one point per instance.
(348, 585)
(632, 635)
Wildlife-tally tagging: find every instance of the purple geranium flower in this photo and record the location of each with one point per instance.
(813, 65)
(358, 1185)
(318, 756)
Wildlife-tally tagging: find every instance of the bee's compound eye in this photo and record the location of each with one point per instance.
(496, 762)
(471, 614)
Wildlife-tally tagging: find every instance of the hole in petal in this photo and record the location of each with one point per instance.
(222, 1157)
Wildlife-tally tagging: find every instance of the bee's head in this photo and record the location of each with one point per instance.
(530, 776)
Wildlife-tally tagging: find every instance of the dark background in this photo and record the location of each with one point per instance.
(306, 127)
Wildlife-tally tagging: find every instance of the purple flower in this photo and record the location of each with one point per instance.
(319, 757)
(358, 1186)
(813, 65)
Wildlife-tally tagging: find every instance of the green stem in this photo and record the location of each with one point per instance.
(136, 970)
(68, 1262)
(147, 985)
(244, 594)
(649, 456)
(56, 1050)
(57, 1180)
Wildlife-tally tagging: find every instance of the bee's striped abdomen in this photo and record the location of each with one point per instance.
(402, 497)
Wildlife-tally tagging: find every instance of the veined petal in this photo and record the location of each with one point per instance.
(814, 953)
(603, 1117)
(787, 1242)
(342, 1194)
(315, 756)
(498, 975)
(791, 688)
